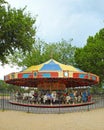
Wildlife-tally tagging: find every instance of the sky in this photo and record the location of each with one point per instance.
(62, 19)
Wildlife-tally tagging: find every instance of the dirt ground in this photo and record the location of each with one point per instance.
(89, 120)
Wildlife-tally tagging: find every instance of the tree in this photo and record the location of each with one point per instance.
(61, 51)
(8, 87)
(17, 31)
(34, 57)
(90, 58)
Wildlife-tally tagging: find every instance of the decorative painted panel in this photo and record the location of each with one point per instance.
(71, 74)
(54, 74)
(81, 76)
(47, 74)
(12, 76)
(93, 78)
(75, 75)
(7, 77)
(25, 75)
(60, 74)
(65, 73)
(28, 75)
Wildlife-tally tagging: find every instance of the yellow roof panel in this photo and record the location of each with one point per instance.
(62, 66)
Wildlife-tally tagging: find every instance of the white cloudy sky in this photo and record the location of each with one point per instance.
(65, 19)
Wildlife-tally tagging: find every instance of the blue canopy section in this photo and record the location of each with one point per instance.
(51, 66)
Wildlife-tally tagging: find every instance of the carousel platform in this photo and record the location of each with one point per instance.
(51, 105)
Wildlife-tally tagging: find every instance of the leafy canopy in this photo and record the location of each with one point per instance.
(17, 31)
(90, 58)
(61, 51)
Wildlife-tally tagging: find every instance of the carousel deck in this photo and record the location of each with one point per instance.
(51, 105)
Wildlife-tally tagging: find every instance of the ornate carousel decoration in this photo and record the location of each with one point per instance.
(53, 76)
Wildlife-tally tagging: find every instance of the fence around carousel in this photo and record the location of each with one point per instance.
(7, 97)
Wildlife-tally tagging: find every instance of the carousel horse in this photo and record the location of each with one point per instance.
(27, 97)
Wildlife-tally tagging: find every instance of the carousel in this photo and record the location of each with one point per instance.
(54, 84)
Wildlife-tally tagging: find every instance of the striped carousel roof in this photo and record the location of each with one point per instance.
(52, 65)
(52, 73)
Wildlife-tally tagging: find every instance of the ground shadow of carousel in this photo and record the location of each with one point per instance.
(56, 85)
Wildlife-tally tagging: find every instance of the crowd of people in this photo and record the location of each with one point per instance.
(55, 97)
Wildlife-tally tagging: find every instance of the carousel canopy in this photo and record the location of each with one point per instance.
(54, 74)
(52, 65)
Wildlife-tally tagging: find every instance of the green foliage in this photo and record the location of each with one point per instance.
(90, 58)
(2, 2)
(97, 90)
(8, 87)
(16, 31)
(61, 51)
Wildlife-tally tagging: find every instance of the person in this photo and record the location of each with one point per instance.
(84, 96)
(75, 96)
(89, 98)
(68, 98)
(45, 99)
(79, 98)
(72, 98)
(53, 95)
(18, 96)
(35, 97)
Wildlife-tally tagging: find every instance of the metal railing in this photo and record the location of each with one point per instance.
(7, 97)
